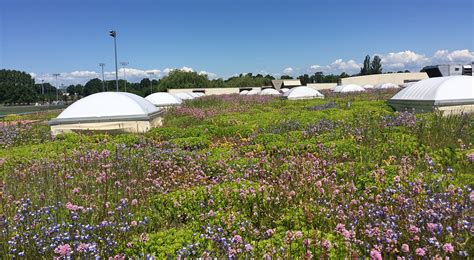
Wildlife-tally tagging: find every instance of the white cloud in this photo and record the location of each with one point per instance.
(318, 67)
(392, 61)
(337, 66)
(210, 75)
(132, 75)
(288, 70)
(187, 69)
(457, 56)
(349, 66)
(403, 60)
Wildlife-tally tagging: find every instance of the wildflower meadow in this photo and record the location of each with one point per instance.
(244, 177)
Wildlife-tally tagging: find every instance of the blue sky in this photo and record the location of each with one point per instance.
(225, 37)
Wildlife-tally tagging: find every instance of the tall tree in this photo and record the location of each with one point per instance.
(17, 87)
(92, 86)
(184, 79)
(366, 69)
(304, 79)
(376, 66)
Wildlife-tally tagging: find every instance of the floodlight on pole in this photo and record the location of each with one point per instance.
(103, 80)
(56, 75)
(124, 64)
(151, 73)
(114, 35)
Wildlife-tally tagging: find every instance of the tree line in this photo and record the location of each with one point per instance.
(17, 87)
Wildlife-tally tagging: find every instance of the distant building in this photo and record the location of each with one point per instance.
(321, 86)
(206, 91)
(285, 83)
(447, 70)
(375, 79)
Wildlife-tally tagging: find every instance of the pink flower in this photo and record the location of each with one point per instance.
(326, 244)
(133, 223)
(306, 242)
(319, 184)
(431, 227)
(471, 196)
(448, 248)
(211, 213)
(73, 207)
(405, 248)
(83, 247)
(76, 190)
(63, 250)
(347, 235)
(269, 232)
(298, 234)
(413, 229)
(340, 227)
(396, 179)
(237, 239)
(420, 251)
(375, 255)
(134, 202)
(470, 157)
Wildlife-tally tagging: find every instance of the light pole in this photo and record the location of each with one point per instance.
(103, 83)
(62, 90)
(124, 64)
(114, 35)
(56, 75)
(151, 73)
(42, 87)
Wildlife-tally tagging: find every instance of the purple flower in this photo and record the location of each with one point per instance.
(237, 239)
(248, 247)
(269, 232)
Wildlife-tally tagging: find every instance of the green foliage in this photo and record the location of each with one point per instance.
(365, 70)
(248, 166)
(16, 87)
(163, 244)
(184, 79)
(376, 65)
(192, 142)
